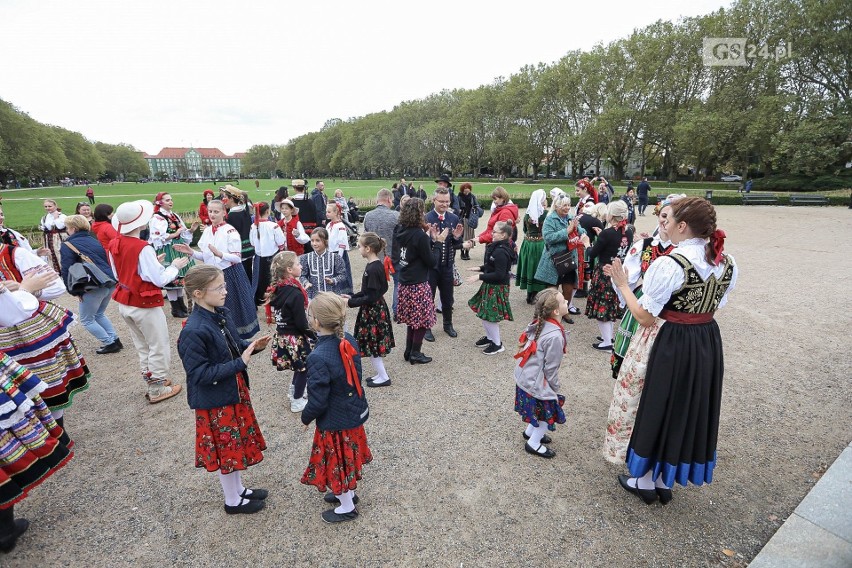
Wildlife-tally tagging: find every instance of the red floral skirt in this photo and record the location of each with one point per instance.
(337, 457)
(228, 438)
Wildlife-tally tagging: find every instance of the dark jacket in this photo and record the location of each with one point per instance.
(320, 202)
(332, 401)
(499, 258)
(374, 285)
(416, 255)
(611, 243)
(210, 366)
(447, 250)
(288, 309)
(87, 244)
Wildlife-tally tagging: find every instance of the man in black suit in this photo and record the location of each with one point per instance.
(440, 219)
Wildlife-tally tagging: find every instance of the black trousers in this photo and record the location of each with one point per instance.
(442, 280)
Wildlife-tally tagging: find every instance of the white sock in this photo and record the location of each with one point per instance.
(492, 331)
(571, 299)
(231, 487)
(381, 373)
(529, 430)
(658, 483)
(58, 413)
(172, 295)
(542, 428)
(346, 504)
(240, 485)
(536, 436)
(605, 328)
(646, 481)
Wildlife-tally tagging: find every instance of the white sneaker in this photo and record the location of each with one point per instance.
(292, 392)
(299, 404)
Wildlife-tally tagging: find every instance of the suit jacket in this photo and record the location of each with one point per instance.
(447, 257)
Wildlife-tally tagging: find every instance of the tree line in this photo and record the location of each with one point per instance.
(31, 152)
(647, 104)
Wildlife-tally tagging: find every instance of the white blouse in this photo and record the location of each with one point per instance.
(267, 238)
(158, 228)
(26, 262)
(338, 238)
(665, 276)
(49, 222)
(227, 240)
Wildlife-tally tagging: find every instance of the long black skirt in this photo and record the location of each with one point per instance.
(677, 423)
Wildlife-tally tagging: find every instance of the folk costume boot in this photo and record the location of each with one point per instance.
(177, 310)
(183, 306)
(448, 323)
(407, 353)
(11, 528)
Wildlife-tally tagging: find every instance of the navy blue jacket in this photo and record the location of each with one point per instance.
(210, 368)
(88, 244)
(447, 249)
(332, 401)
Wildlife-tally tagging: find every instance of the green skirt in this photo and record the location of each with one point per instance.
(172, 254)
(528, 259)
(491, 303)
(626, 329)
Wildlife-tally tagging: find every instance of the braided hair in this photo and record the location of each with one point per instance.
(330, 311)
(546, 302)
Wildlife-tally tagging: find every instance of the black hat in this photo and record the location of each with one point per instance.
(444, 178)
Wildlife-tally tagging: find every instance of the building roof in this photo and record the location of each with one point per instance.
(180, 153)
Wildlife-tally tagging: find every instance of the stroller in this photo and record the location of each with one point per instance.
(351, 222)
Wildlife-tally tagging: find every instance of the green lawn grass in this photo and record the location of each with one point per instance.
(23, 208)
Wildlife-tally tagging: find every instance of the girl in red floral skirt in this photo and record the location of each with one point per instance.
(373, 329)
(338, 404)
(227, 435)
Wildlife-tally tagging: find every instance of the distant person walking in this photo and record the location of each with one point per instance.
(642, 191)
(90, 193)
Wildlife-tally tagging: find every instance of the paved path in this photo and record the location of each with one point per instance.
(819, 532)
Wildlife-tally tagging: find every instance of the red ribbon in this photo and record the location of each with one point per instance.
(347, 352)
(389, 269)
(717, 245)
(530, 349)
(257, 215)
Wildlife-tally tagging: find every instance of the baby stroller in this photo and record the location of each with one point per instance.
(351, 222)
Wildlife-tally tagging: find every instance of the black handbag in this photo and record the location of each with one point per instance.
(564, 262)
(85, 276)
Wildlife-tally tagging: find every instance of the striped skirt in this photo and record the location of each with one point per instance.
(171, 254)
(44, 346)
(240, 301)
(32, 445)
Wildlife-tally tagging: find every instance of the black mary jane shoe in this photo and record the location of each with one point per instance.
(256, 494)
(547, 453)
(544, 439)
(371, 383)
(332, 499)
(649, 496)
(246, 507)
(331, 517)
(665, 495)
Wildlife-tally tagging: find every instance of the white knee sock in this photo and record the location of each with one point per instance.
(231, 487)
(659, 482)
(529, 431)
(172, 295)
(381, 372)
(536, 436)
(542, 429)
(571, 299)
(346, 504)
(646, 481)
(58, 413)
(605, 328)
(492, 331)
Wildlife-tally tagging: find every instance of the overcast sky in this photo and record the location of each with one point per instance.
(233, 74)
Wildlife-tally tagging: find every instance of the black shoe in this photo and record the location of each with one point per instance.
(406, 354)
(7, 543)
(483, 342)
(530, 298)
(119, 343)
(601, 347)
(665, 495)
(567, 319)
(256, 494)
(544, 439)
(331, 517)
(547, 453)
(370, 383)
(111, 348)
(418, 358)
(573, 311)
(448, 329)
(580, 294)
(332, 499)
(246, 507)
(439, 310)
(647, 495)
(429, 337)
(493, 349)
(177, 311)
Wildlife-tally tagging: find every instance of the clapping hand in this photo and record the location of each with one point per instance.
(37, 280)
(458, 231)
(617, 272)
(216, 252)
(183, 247)
(181, 262)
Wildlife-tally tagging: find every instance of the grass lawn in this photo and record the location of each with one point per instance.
(23, 208)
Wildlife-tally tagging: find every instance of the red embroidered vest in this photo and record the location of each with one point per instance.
(131, 289)
(8, 270)
(292, 243)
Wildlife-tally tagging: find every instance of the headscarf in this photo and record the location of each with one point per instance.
(535, 209)
(158, 200)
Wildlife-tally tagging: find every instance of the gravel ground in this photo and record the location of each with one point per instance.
(450, 484)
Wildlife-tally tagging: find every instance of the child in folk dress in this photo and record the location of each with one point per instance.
(373, 328)
(322, 270)
(338, 240)
(541, 348)
(286, 306)
(338, 405)
(267, 238)
(227, 435)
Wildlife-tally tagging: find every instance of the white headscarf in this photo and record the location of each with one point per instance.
(535, 208)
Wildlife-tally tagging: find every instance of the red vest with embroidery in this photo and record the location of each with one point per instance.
(131, 289)
(8, 270)
(292, 243)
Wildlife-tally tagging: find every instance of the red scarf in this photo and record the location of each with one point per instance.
(347, 353)
(388, 267)
(530, 349)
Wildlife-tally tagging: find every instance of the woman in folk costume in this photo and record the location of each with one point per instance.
(636, 341)
(677, 424)
(202, 209)
(165, 228)
(33, 446)
(39, 339)
(220, 246)
(267, 239)
(533, 245)
(53, 227)
(292, 227)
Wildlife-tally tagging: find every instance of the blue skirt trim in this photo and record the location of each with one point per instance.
(695, 473)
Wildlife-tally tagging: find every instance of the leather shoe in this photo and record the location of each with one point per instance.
(544, 439)
(665, 495)
(429, 337)
(331, 517)
(113, 347)
(418, 358)
(256, 494)
(246, 507)
(601, 347)
(371, 383)
(448, 328)
(548, 453)
(332, 498)
(7, 543)
(647, 495)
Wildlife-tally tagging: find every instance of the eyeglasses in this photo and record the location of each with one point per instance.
(221, 289)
